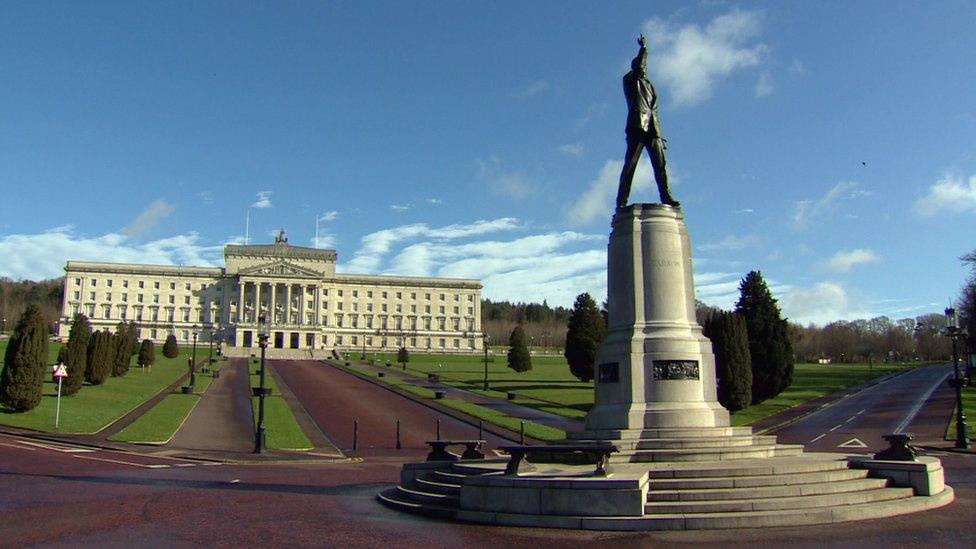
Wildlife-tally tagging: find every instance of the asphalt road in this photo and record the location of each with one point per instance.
(336, 399)
(857, 423)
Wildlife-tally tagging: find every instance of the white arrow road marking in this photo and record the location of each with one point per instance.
(853, 443)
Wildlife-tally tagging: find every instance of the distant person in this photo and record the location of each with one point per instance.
(643, 130)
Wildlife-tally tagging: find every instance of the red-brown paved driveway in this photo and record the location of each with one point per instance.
(335, 399)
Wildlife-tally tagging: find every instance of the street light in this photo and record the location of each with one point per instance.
(485, 342)
(193, 368)
(363, 355)
(953, 332)
(213, 331)
(261, 391)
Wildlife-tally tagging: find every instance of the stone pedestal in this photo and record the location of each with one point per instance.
(655, 369)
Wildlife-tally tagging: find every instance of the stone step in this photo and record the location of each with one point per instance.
(432, 486)
(756, 480)
(637, 434)
(708, 454)
(704, 442)
(712, 521)
(448, 477)
(777, 503)
(758, 492)
(419, 496)
(393, 499)
(809, 463)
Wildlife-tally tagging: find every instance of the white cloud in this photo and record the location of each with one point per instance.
(374, 246)
(690, 59)
(400, 207)
(731, 242)
(807, 212)
(533, 89)
(822, 303)
(764, 86)
(206, 196)
(598, 199)
(263, 200)
(951, 194)
(571, 149)
(843, 261)
(329, 216)
(41, 256)
(157, 211)
(501, 182)
(797, 67)
(593, 111)
(744, 211)
(433, 200)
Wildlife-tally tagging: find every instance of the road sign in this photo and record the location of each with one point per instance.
(60, 371)
(853, 443)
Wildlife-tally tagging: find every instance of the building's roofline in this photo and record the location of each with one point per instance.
(141, 268)
(280, 249)
(469, 283)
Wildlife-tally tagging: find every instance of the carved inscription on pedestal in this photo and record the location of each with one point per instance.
(675, 369)
(608, 372)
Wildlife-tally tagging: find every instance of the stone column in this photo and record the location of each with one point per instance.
(240, 300)
(318, 306)
(302, 293)
(272, 303)
(288, 303)
(655, 369)
(257, 301)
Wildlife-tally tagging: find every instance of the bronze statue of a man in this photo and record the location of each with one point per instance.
(643, 130)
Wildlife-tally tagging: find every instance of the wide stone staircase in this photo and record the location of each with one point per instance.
(741, 493)
(689, 444)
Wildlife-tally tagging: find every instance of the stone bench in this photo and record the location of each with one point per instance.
(596, 454)
(439, 451)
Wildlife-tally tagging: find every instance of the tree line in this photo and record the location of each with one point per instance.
(89, 356)
(47, 295)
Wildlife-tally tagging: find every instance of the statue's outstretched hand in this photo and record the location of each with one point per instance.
(641, 41)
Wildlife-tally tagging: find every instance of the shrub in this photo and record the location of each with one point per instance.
(171, 348)
(25, 361)
(519, 358)
(584, 335)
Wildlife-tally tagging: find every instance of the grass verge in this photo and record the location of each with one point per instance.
(494, 417)
(159, 424)
(94, 407)
(968, 407)
(282, 431)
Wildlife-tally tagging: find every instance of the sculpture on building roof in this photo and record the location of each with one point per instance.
(281, 238)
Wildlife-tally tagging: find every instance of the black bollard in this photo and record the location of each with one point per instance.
(522, 433)
(481, 429)
(355, 434)
(438, 429)
(398, 435)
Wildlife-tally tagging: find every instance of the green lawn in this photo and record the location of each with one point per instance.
(811, 381)
(969, 408)
(282, 431)
(159, 424)
(548, 386)
(489, 415)
(95, 407)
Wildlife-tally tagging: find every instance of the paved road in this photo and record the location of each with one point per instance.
(56, 496)
(335, 399)
(856, 423)
(221, 421)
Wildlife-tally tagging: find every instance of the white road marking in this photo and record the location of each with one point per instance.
(818, 438)
(19, 447)
(235, 481)
(56, 448)
(835, 427)
(918, 405)
(850, 418)
(853, 443)
(861, 412)
(153, 466)
(184, 465)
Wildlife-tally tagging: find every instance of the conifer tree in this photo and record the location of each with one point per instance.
(584, 334)
(769, 345)
(121, 357)
(147, 354)
(403, 356)
(99, 358)
(519, 358)
(171, 348)
(77, 357)
(130, 332)
(25, 361)
(733, 367)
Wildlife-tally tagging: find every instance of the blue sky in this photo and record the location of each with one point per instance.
(831, 145)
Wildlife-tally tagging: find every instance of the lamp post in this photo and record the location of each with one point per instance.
(261, 391)
(363, 355)
(486, 341)
(210, 355)
(953, 332)
(193, 367)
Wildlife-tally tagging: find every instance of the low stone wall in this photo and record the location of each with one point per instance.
(622, 495)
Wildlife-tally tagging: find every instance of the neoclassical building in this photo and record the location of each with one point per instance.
(309, 306)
